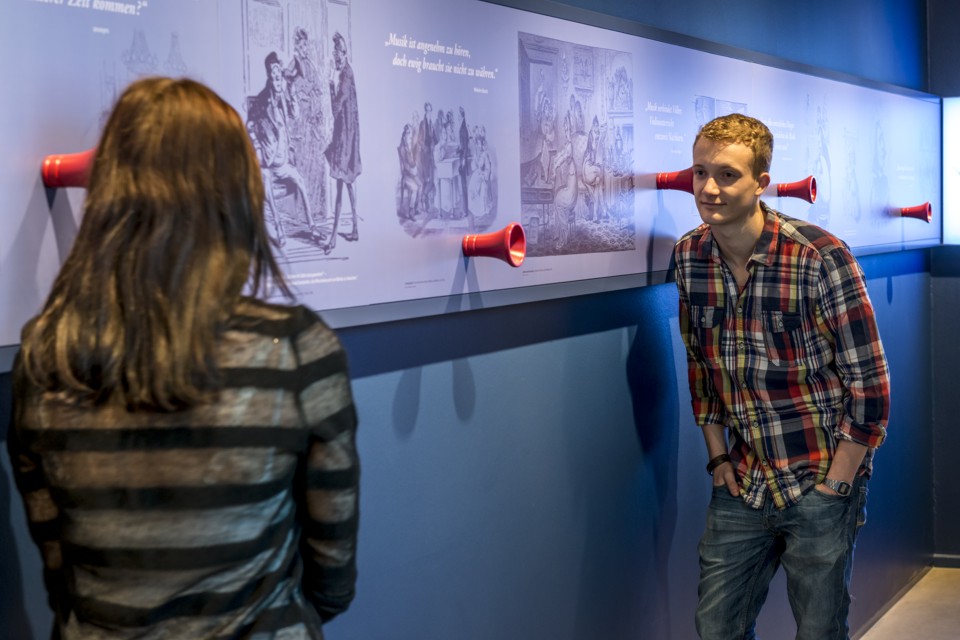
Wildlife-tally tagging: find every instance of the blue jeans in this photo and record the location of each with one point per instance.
(742, 548)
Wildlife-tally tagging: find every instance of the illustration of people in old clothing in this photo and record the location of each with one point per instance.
(343, 152)
(307, 132)
(447, 145)
(427, 141)
(482, 190)
(268, 122)
(464, 154)
(409, 181)
(593, 173)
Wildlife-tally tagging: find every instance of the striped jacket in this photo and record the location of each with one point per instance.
(234, 519)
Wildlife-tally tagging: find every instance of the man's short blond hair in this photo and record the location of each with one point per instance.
(737, 128)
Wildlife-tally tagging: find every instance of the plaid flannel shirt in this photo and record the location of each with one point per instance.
(791, 363)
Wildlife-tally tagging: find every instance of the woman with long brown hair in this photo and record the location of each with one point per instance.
(185, 450)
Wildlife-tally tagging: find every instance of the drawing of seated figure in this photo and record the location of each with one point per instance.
(268, 118)
(410, 185)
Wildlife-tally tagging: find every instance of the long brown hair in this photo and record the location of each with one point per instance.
(172, 232)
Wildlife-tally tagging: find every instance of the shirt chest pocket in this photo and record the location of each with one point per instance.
(706, 323)
(783, 337)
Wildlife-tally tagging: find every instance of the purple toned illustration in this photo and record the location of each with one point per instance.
(576, 147)
(447, 173)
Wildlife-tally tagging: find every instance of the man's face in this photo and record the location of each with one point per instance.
(276, 78)
(724, 187)
(338, 56)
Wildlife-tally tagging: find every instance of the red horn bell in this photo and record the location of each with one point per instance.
(676, 180)
(509, 244)
(920, 212)
(805, 189)
(67, 169)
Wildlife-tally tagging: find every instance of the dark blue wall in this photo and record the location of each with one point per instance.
(943, 23)
(945, 269)
(882, 40)
(552, 485)
(534, 472)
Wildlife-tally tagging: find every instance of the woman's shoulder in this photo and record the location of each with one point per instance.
(278, 320)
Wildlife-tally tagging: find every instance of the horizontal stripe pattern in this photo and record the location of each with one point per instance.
(232, 519)
(791, 362)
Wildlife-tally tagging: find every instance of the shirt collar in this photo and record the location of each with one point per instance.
(766, 248)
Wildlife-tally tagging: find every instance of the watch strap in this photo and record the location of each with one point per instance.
(716, 462)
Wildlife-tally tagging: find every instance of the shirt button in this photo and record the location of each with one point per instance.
(740, 345)
(740, 310)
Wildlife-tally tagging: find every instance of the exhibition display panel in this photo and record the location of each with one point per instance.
(389, 132)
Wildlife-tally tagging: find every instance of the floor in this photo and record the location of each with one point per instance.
(929, 610)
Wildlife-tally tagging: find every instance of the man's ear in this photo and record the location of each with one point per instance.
(764, 182)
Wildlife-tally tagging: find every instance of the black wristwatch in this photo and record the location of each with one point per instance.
(841, 487)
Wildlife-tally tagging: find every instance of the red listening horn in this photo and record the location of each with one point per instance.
(676, 180)
(805, 189)
(920, 212)
(67, 169)
(509, 244)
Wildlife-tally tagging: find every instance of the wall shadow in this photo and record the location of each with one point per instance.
(14, 620)
(651, 377)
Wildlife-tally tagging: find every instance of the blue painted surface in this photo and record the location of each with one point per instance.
(883, 40)
(945, 269)
(556, 488)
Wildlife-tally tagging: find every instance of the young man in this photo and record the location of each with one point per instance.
(784, 356)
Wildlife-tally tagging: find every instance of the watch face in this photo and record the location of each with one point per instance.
(839, 486)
